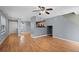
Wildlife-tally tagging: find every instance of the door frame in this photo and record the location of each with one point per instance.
(9, 24)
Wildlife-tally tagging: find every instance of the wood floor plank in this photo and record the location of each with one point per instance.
(13, 43)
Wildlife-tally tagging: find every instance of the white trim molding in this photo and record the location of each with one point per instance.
(38, 36)
(70, 41)
(3, 39)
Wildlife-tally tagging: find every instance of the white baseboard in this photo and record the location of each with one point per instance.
(38, 36)
(3, 40)
(71, 41)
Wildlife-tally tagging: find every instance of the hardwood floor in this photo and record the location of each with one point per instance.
(13, 43)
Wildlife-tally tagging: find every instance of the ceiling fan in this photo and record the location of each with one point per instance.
(43, 10)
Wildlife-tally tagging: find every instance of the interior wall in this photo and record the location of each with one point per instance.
(65, 26)
(28, 26)
(3, 31)
(18, 27)
(23, 26)
(35, 31)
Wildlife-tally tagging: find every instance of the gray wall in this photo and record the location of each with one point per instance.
(63, 27)
(39, 32)
(28, 26)
(35, 31)
(24, 26)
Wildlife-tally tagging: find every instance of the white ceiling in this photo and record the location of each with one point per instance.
(25, 12)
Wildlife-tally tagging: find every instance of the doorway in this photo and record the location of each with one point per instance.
(49, 30)
(13, 26)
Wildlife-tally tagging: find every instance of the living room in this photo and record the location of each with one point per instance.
(39, 28)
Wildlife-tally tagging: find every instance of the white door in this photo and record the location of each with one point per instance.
(12, 27)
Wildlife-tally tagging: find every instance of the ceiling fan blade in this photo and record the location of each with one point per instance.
(42, 7)
(49, 9)
(47, 12)
(36, 10)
